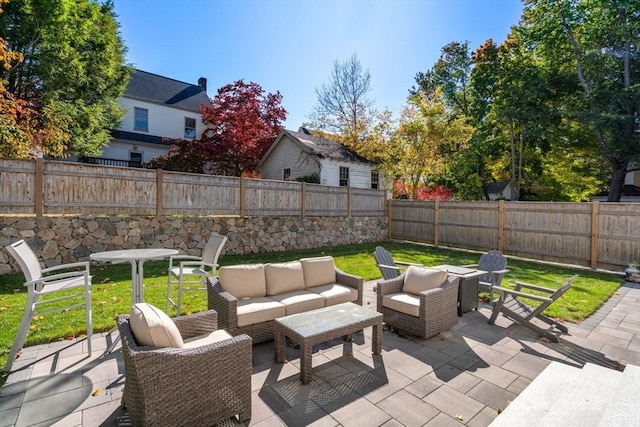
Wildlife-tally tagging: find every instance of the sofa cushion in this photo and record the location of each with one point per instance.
(212, 338)
(335, 294)
(418, 279)
(299, 301)
(318, 271)
(403, 302)
(256, 310)
(243, 281)
(284, 277)
(151, 326)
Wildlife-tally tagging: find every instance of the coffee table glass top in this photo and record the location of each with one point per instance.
(460, 271)
(327, 319)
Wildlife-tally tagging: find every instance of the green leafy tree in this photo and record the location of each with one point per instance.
(597, 41)
(73, 68)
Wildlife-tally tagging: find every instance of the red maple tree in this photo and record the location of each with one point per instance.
(242, 122)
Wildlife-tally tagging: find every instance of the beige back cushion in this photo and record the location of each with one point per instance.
(243, 281)
(418, 279)
(318, 271)
(151, 326)
(284, 277)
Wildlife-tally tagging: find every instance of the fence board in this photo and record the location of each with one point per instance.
(196, 194)
(272, 198)
(17, 178)
(365, 202)
(325, 201)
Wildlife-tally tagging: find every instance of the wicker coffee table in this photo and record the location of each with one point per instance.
(324, 324)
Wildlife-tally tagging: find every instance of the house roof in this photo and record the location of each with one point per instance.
(497, 187)
(163, 90)
(321, 147)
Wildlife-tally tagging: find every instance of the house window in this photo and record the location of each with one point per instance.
(287, 174)
(135, 159)
(141, 119)
(344, 176)
(189, 127)
(375, 180)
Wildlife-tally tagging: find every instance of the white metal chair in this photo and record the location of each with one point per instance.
(40, 282)
(188, 265)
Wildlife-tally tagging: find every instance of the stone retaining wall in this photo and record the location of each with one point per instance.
(68, 239)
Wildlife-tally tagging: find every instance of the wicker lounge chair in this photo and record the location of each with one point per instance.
(187, 386)
(510, 306)
(419, 312)
(387, 265)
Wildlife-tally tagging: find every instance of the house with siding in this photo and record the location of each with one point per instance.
(295, 155)
(156, 107)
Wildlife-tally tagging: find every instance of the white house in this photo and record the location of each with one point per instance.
(501, 190)
(300, 154)
(156, 107)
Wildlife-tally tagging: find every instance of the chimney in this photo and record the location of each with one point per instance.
(202, 82)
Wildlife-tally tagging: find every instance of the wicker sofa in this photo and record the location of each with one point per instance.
(421, 301)
(248, 298)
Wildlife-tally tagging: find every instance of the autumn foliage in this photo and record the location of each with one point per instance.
(242, 122)
(423, 192)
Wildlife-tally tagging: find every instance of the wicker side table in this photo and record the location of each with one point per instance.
(324, 324)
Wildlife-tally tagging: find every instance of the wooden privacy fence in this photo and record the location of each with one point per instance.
(595, 235)
(38, 187)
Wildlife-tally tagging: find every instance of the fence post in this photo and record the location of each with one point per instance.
(501, 226)
(242, 196)
(595, 218)
(388, 212)
(349, 202)
(303, 195)
(436, 223)
(159, 193)
(39, 187)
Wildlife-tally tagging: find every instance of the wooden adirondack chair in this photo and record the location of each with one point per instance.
(510, 306)
(495, 264)
(388, 267)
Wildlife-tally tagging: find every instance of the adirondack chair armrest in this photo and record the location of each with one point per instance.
(504, 291)
(390, 267)
(520, 285)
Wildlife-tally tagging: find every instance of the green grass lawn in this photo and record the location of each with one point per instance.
(111, 290)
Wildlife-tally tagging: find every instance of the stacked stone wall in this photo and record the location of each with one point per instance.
(65, 239)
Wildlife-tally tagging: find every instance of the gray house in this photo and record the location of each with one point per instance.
(301, 154)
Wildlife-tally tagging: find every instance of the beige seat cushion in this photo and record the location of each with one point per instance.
(212, 338)
(256, 310)
(151, 326)
(284, 277)
(335, 294)
(300, 301)
(418, 279)
(402, 302)
(244, 281)
(318, 271)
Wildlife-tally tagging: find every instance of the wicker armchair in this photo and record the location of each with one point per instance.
(437, 311)
(187, 386)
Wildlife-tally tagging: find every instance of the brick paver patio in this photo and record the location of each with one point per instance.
(465, 376)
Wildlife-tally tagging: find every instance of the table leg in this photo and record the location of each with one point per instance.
(140, 281)
(280, 354)
(306, 375)
(376, 338)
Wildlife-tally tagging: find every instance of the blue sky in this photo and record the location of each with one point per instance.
(290, 46)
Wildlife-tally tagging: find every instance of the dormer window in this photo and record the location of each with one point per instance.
(141, 119)
(189, 127)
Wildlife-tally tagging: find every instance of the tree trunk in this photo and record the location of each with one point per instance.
(618, 173)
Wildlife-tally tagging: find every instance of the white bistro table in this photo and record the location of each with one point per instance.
(136, 257)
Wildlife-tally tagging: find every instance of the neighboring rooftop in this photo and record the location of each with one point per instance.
(163, 90)
(326, 147)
